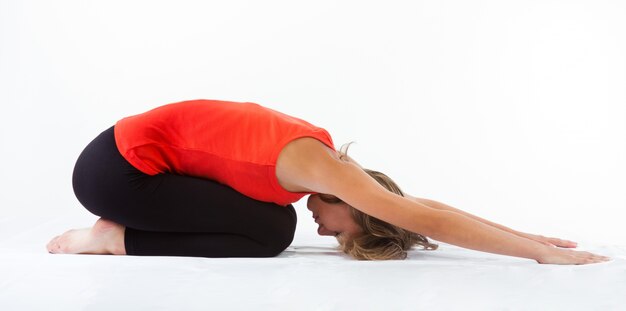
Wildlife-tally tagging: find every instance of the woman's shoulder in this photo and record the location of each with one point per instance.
(297, 161)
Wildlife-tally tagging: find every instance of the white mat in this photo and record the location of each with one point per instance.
(309, 275)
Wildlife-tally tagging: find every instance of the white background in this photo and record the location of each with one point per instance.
(511, 110)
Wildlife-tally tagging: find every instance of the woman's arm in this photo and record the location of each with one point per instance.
(441, 206)
(351, 184)
(355, 187)
(550, 241)
(539, 238)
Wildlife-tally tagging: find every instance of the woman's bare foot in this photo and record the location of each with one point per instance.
(105, 237)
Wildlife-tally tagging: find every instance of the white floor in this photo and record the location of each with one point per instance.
(506, 109)
(309, 275)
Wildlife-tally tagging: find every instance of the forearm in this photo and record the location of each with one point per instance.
(442, 206)
(457, 229)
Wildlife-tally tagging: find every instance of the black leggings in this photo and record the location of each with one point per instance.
(175, 215)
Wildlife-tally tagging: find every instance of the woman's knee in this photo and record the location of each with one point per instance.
(280, 235)
(275, 247)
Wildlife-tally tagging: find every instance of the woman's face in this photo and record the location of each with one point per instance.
(332, 219)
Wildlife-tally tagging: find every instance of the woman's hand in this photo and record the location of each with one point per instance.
(548, 241)
(559, 256)
(556, 255)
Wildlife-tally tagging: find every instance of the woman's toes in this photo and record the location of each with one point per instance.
(105, 237)
(51, 245)
(66, 242)
(71, 242)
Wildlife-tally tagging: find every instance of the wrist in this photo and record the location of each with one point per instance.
(541, 252)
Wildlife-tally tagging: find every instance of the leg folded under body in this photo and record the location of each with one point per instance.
(174, 215)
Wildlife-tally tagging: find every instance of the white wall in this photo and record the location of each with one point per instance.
(512, 110)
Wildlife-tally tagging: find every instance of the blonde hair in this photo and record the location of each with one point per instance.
(380, 240)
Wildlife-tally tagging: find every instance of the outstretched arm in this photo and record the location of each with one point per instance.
(441, 206)
(352, 185)
(553, 256)
(539, 238)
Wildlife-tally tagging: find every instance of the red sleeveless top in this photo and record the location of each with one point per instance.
(234, 143)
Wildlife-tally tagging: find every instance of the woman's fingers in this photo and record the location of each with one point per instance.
(591, 257)
(554, 242)
(562, 243)
(570, 257)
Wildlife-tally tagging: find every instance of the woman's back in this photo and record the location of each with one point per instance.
(234, 143)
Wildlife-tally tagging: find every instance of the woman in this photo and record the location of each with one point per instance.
(214, 178)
